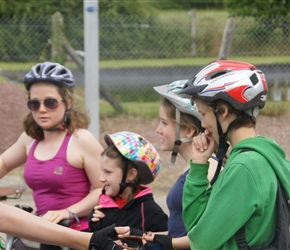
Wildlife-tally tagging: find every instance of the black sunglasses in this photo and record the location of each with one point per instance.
(49, 103)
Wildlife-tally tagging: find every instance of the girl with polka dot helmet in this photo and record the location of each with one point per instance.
(140, 152)
(128, 164)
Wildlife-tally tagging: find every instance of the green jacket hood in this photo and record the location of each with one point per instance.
(274, 153)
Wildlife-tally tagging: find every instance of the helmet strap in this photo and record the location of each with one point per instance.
(222, 148)
(123, 183)
(178, 140)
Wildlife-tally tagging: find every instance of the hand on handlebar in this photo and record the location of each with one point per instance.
(104, 239)
(55, 216)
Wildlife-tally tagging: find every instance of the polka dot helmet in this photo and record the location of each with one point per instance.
(140, 151)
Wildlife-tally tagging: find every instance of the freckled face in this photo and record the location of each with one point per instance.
(166, 131)
(111, 176)
(208, 121)
(44, 117)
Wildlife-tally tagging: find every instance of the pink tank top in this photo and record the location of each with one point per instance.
(55, 183)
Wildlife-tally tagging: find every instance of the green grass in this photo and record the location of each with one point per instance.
(276, 109)
(158, 62)
(150, 110)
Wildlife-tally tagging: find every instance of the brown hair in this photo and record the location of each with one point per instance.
(186, 120)
(242, 120)
(75, 120)
(113, 153)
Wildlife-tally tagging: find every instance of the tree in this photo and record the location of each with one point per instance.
(271, 13)
(67, 7)
(39, 8)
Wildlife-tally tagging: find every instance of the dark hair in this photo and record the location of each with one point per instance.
(242, 120)
(75, 120)
(113, 153)
(186, 120)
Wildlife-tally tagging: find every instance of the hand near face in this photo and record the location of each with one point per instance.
(203, 146)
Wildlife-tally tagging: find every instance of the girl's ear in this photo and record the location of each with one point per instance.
(132, 174)
(189, 132)
(223, 111)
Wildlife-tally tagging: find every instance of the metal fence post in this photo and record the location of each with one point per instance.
(227, 39)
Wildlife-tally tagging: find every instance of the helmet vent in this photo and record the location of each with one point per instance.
(254, 79)
(217, 74)
(142, 140)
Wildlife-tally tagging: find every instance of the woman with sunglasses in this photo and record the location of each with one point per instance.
(61, 157)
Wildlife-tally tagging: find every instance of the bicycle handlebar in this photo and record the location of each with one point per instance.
(11, 192)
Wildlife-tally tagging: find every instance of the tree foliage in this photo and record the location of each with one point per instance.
(40, 8)
(75, 7)
(262, 8)
(187, 4)
(270, 14)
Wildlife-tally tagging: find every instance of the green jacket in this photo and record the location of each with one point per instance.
(244, 194)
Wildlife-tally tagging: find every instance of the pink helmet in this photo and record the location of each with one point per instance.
(239, 83)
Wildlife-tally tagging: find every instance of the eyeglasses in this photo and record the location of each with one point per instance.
(49, 103)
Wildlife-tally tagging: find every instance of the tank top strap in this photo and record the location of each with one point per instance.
(32, 147)
(63, 148)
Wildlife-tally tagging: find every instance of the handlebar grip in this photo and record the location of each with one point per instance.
(66, 223)
(25, 208)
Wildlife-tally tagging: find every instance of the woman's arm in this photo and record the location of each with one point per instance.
(16, 155)
(24, 225)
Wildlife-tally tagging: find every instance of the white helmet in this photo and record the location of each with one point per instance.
(184, 105)
(170, 91)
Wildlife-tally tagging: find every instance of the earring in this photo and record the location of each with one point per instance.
(63, 124)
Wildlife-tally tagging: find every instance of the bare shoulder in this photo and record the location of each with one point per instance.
(25, 139)
(83, 134)
(85, 138)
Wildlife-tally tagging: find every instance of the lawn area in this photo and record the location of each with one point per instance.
(157, 62)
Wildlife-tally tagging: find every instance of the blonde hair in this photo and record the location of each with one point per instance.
(186, 120)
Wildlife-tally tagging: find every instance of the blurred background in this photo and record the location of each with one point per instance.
(148, 43)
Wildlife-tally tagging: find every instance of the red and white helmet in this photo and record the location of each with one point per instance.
(239, 83)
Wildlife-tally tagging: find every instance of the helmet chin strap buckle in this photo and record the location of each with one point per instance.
(253, 112)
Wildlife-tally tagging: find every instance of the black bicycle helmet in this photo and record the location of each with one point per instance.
(49, 72)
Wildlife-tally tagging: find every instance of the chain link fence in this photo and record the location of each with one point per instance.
(29, 39)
